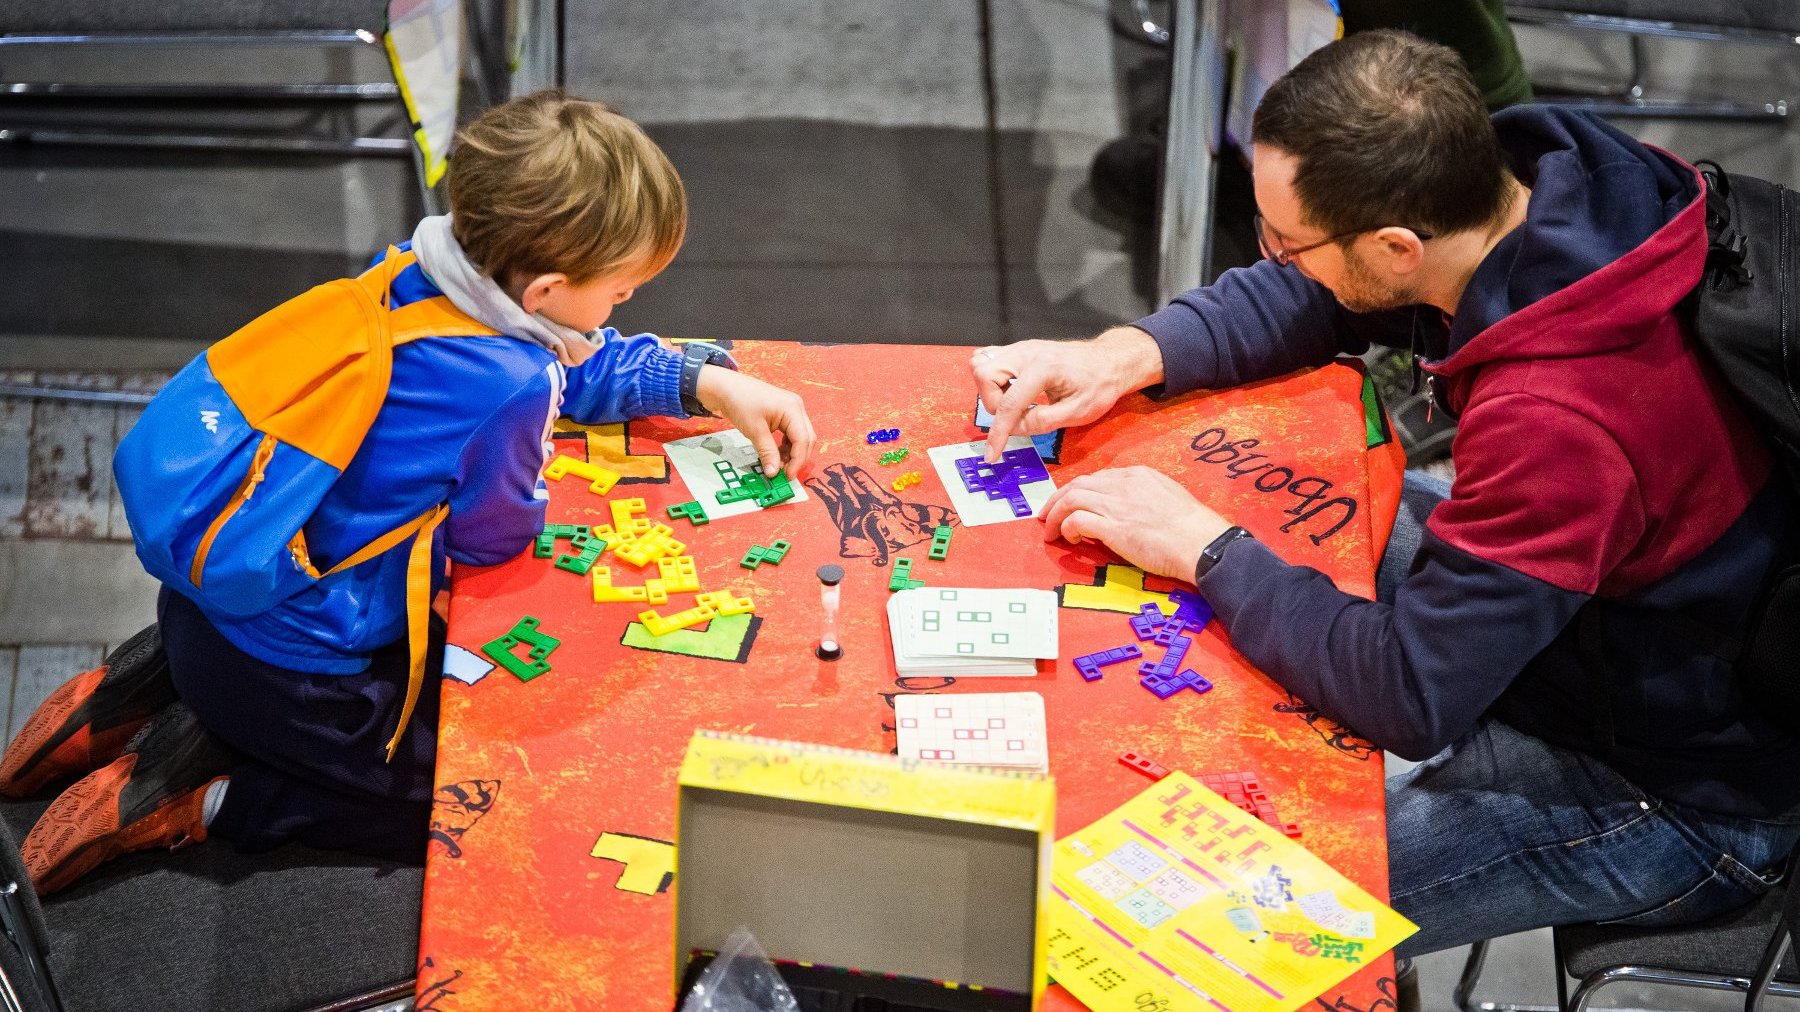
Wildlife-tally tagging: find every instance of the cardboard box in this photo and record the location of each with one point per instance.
(867, 862)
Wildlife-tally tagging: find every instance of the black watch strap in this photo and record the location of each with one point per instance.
(1212, 553)
(694, 355)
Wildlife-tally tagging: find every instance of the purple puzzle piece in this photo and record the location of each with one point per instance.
(1165, 686)
(1191, 608)
(1146, 621)
(1001, 480)
(1171, 659)
(1166, 633)
(1090, 664)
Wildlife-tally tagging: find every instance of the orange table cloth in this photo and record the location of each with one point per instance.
(539, 777)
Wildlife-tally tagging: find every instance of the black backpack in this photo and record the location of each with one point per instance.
(1744, 312)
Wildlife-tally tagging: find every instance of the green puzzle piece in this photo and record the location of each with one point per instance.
(524, 633)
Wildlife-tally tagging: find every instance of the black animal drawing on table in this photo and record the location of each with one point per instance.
(873, 521)
(456, 807)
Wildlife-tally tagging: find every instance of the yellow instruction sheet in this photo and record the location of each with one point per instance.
(1179, 900)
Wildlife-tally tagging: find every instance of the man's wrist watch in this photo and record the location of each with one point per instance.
(1212, 553)
(694, 355)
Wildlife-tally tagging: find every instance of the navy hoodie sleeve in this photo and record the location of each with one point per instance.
(1417, 675)
(1252, 323)
(496, 500)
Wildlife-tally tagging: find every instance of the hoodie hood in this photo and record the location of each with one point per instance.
(444, 262)
(1614, 237)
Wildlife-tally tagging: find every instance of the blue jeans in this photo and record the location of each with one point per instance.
(1502, 832)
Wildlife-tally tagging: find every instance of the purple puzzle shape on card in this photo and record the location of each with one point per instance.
(1001, 479)
(1090, 664)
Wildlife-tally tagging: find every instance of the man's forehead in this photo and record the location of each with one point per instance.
(1272, 175)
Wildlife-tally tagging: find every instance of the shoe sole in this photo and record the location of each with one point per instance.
(60, 739)
(80, 829)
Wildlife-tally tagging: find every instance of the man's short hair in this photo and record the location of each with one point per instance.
(550, 183)
(1386, 129)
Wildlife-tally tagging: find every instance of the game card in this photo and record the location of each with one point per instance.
(696, 459)
(974, 728)
(976, 622)
(1014, 489)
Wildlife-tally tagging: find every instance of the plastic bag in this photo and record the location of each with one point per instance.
(740, 979)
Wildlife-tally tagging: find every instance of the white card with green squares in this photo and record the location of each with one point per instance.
(978, 622)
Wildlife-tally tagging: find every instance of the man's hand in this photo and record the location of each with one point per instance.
(1140, 513)
(760, 410)
(1040, 386)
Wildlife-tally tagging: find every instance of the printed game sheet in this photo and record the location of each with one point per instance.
(1180, 901)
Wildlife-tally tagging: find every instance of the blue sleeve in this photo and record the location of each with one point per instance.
(629, 377)
(497, 499)
(1252, 323)
(1412, 677)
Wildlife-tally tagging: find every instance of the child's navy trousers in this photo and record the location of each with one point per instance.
(311, 746)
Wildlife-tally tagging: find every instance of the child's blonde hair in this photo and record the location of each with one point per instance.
(549, 183)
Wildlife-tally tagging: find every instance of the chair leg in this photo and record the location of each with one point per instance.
(1562, 972)
(1471, 975)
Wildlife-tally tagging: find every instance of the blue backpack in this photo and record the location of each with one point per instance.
(232, 458)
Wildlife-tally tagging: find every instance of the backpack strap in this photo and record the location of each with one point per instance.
(433, 317)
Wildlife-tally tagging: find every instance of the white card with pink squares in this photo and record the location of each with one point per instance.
(1003, 729)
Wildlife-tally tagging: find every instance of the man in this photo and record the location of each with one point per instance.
(1586, 757)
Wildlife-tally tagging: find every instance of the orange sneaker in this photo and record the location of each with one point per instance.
(87, 722)
(152, 796)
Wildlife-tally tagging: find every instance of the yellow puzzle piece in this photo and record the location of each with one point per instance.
(660, 626)
(679, 574)
(725, 603)
(622, 512)
(649, 864)
(602, 479)
(605, 592)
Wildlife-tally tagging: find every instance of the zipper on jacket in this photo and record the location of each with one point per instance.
(264, 451)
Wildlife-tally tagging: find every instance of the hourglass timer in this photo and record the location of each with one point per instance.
(829, 649)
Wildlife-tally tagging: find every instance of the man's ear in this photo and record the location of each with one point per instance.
(1403, 249)
(536, 291)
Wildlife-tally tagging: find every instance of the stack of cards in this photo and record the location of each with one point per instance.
(963, 631)
(1004, 729)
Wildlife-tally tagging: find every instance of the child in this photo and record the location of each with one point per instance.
(560, 208)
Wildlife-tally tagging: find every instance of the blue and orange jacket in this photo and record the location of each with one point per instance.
(467, 421)
(1612, 508)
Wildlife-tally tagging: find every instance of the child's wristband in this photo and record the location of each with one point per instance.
(694, 355)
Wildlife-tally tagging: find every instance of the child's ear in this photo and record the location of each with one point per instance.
(536, 291)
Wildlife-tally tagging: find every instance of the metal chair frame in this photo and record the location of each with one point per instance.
(1753, 988)
(1630, 99)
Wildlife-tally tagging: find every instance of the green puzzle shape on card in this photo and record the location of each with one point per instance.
(726, 638)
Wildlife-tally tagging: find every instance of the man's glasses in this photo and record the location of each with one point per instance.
(1276, 250)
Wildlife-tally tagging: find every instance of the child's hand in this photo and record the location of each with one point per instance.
(759, 410)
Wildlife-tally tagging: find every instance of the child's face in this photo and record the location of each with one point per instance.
(587, 305)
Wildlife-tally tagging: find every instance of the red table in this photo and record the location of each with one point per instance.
(536, 776)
